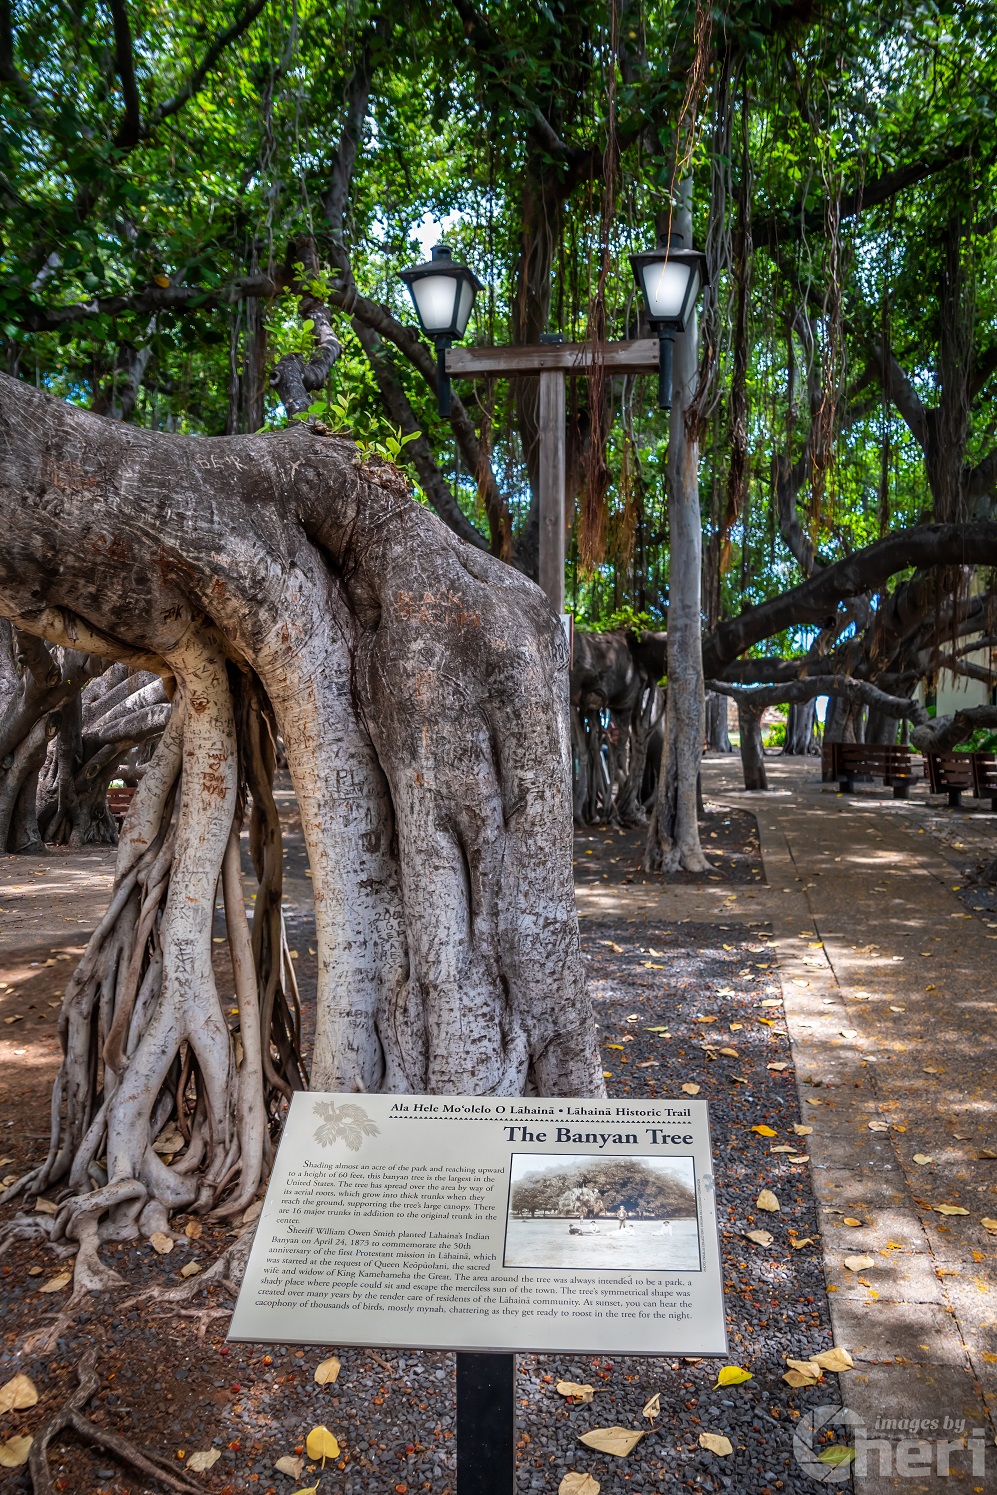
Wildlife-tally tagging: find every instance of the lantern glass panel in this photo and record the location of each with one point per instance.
(666, 284)
(434, 297)
(465, 304)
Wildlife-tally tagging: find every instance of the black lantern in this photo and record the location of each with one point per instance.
(670, 280)
(443, 296)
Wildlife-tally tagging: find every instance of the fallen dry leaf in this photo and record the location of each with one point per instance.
(161, 1243)
(56, 1284)
(951, 1209)
(859, 1263)
(879, 1126)
(987, 1155)
(652, 1408)
(783, 1147)
(989, 1224)
(801, 1130)
(15, 1451)
(327, 1372)
(290, 1463)
(615, 1440)
(850, 1220)
(760, 1237)
(716, 1443)
(253, 1212)
(799, 1241)
(320, 1444)
(733, 1054)
(779, 1066)
(191, 1269)
(45, 1206)
(205, 1459)
(577, 1483)
(767, 1201)
(690, 1089)
(193, 1229)
(836, 1360)
(923, 1158)
(799, 1378)
(574, 1388)
(808, 1367)
(17, 1394)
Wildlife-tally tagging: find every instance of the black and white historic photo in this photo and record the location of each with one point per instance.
(602, 1211)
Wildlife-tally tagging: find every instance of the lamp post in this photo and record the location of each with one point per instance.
(670, 280)
(443, 295)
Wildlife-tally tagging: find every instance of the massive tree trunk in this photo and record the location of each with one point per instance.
(421, 689)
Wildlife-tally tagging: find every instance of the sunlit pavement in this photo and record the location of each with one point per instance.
(891, 997)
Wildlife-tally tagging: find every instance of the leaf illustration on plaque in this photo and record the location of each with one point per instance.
(349, 1124)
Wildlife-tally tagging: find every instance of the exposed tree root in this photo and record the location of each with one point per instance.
(70, 1418)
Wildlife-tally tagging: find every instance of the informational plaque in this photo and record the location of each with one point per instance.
(446, 1222)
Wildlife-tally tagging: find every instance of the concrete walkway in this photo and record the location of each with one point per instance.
(891, 1007)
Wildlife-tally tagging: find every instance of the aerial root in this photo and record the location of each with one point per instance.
(70, 1418)
(226, 1272)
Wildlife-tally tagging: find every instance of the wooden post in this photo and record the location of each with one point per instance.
(551, 421)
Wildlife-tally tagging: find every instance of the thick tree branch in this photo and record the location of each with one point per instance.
(815, 602)
(898, 388)
(796, 691)
(130, 129)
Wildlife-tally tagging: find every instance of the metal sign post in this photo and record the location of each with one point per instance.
(486, 1424)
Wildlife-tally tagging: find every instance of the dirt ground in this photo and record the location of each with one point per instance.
(167, 1380)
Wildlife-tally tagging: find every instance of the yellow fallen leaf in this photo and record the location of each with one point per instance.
(836, 1360)
(191, 1269)
(291, 1464)
(17, 1394)
(327, 1372)
(767, 1201)
(576, 1483)
(760, 1237)
(859, 1263)
(320, 1444)
(613, 1046)
(951, 1209)
(923, 1158)
(56, 1284)
(801, 1130)
(204, 1460)
(615, 1440)
(799, 1241)
(849, 1220)
(690, 1089)
(732, 1375)
(705, 1019)
(584, 1392)
(765, 1131)
(716, 1443)
(15, 1451)
(652, 1408)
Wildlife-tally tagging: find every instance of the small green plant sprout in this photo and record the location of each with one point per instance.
(387, 448)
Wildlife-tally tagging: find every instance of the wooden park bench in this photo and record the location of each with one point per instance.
(956, 774)
(848, 761)
(118, 801)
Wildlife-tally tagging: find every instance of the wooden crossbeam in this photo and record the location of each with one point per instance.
(637, 357)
